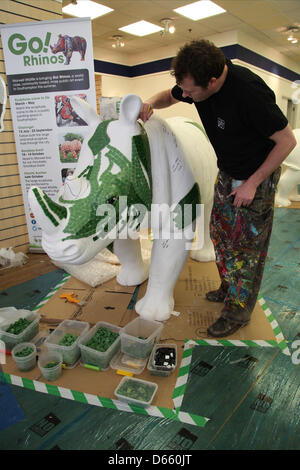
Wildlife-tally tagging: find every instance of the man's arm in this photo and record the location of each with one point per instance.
(164, 99)
(284, 144)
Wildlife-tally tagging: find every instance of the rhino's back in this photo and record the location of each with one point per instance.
(198, 151)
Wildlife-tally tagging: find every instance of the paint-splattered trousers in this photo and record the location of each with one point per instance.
(241, 238)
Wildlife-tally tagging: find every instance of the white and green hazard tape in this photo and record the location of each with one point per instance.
(65, 278)
(183, 373)
(275, 327)
(95, 400)
(181, 383)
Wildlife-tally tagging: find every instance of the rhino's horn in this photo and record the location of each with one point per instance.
(48, 213)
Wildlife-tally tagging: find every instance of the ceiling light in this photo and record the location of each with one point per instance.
(86, 8)
(141, 28)
(290, 38)
(199, 10)
(118, 41)
(294, 41)
(168, 27)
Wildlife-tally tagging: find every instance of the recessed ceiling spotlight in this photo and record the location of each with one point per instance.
(199, 10)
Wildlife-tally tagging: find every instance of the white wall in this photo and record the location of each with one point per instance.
(148, 85)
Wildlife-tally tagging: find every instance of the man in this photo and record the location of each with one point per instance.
(251, 138)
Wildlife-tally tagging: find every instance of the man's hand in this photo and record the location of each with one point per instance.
(243, 194)
(146, 111)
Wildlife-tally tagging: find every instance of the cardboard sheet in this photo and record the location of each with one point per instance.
(114, 304)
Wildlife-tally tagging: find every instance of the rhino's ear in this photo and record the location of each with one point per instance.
(85, 111)
(130, 109)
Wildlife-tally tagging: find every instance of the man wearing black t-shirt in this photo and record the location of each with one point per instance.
(251, 138)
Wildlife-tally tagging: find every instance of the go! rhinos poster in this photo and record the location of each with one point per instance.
(46, 63)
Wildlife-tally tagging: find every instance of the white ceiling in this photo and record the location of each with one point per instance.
(259, 18)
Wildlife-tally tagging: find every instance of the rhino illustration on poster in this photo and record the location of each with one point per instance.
(165, 164)
(67, 45)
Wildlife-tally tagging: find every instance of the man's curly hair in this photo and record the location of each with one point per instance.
(200, 59)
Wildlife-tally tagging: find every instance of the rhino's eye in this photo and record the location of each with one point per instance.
(112, 200)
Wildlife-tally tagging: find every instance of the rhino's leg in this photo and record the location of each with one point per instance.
(167, 260)
(134, 271)
(206, 252)
(286, 185)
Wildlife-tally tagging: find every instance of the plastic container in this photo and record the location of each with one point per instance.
(51, 373)
(25, 363)
(161, 370)
(98, 358)
(70, 354)
(9, 315)
(134, 383)
(127, 363)
(139, 336)
(30, 332)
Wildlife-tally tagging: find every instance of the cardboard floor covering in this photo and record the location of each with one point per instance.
(114, 304)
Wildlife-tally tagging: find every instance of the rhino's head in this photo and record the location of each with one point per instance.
(89, 211)
(59, 46)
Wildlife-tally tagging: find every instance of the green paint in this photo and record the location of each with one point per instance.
(100, 138)
(192, 198)
(44, 207)
(58, 210)
(198, 126)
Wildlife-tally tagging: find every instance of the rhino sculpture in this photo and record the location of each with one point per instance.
(290, 177)
(162, 164)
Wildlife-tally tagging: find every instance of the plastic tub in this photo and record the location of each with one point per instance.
(28, 362)
(71, 353)
(139, 336)
(97, 358)
(30, 332)
(132, 386)
(161, 370)
(127, 363)
(51, 373)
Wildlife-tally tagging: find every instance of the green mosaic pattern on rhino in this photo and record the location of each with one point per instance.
(183, 217)
(108, 187)
(44, 207)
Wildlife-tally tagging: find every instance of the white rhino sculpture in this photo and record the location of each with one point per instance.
(290, 177)
(162, 164)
